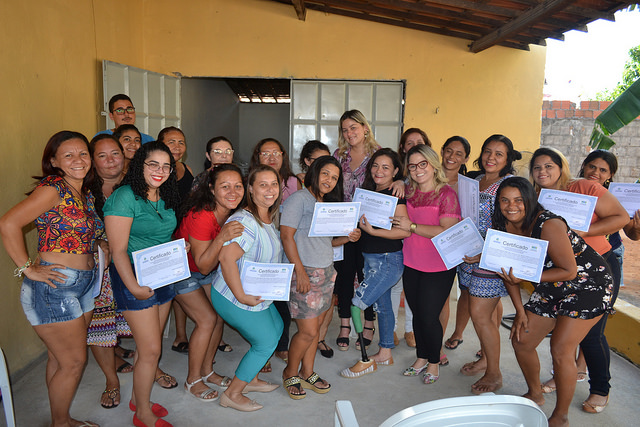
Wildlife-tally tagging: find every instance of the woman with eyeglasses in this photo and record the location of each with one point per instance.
(56, 294)
(485, 287)
(271, 152)
(219, 151)
(130, 138)
(139, 214)
(432, 207)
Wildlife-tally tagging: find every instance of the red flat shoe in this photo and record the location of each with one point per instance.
(157, 409)
(159, 422)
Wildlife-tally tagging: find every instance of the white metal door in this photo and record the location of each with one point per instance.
(155, 96)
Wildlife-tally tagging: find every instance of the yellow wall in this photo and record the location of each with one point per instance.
(51, 53)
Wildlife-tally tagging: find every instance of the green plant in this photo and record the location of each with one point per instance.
(621, 112)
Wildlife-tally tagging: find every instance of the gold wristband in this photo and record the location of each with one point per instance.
(413, 227)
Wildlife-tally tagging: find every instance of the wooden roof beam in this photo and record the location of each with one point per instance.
(301, 11)
(525, 20)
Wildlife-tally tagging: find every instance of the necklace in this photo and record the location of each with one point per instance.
(74, 192)
(155, 208)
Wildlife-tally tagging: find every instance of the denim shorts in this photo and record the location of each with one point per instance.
(125, 301)
(190, 284)
(44, 304)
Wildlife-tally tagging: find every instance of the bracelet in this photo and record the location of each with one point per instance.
(18, 271)
(413, 227)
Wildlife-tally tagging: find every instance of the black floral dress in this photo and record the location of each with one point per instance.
(585, 297)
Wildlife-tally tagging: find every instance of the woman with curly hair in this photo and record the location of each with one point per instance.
(56, 294)
(139, 214)
(203, 226)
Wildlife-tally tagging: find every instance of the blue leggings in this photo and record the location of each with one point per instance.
(261, 328)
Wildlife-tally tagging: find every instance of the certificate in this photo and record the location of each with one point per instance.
(338, 253)
(267, 281)
(628, 195)
(576, 209)
(334, 219)
(505, 250)
(469, 197)
(457, 241)
(377, 207)
(161, 265)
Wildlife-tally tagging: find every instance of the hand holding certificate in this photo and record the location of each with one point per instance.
(628, 195)
(334, 219)
(268, 281)
(458, 241)
(576, 209)
(525, 255)
(161, 265)
(378, 208)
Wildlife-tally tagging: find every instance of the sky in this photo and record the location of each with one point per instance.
(587, 63)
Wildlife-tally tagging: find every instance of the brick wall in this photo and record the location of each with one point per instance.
(568, 129)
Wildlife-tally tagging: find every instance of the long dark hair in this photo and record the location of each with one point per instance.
(512, 154)
(605, 155)
(285, 170)
(95, 181)
(201, 198)
(50, 151)
(467, 150)
(312, 178)
(529, 197)
(368, 183)
(251, 206)
(135, 175)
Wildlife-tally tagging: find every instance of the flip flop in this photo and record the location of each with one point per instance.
(168, 379)
(125, 368)
(181, 347)
(111, 394)
(452, 344)
(225, 347)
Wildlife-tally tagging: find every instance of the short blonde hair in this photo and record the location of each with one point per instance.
(559, 159)
(370, 143)
(434, 160)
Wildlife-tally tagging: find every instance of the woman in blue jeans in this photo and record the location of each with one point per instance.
(383, 262)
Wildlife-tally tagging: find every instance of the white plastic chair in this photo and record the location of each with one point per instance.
(5, 386)
(487, 410)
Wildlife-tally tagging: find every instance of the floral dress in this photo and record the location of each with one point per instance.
(585, 297)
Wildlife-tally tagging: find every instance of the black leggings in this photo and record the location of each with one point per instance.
(352, 264)
(426, 294)
(595, 346)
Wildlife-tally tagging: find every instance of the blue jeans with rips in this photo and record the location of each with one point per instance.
(381, 272)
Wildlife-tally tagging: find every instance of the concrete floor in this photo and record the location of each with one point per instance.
(375, 397)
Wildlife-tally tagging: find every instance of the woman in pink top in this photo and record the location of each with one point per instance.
(432, 207)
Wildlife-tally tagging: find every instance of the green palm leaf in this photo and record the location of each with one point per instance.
(620, 113)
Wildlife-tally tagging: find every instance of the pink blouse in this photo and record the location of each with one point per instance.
(427, 208)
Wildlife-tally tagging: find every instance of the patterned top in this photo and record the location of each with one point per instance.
(427, 208)
(71, 226)
(586, 296)
(352, 178)
(487, 203)
(260, 244)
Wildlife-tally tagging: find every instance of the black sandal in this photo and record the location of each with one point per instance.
(327, 352)
(343, 342)
(367, 341)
